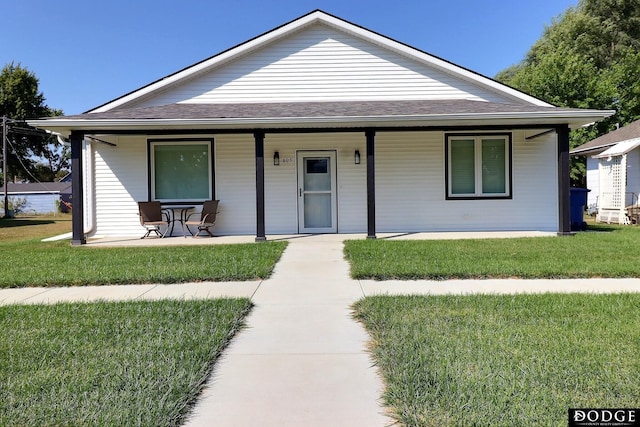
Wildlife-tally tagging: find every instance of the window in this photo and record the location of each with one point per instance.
(180, 170)
(478, 166)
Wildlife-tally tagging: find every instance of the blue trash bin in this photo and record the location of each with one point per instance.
(577, 202)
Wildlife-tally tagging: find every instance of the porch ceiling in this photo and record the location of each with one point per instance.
(357, 114)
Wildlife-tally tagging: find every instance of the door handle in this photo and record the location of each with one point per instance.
(301, 192)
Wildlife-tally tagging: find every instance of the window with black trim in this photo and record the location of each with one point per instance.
(181, 170)
(478, 166)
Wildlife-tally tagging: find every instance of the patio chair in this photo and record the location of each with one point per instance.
(152, 216)
(206, 220)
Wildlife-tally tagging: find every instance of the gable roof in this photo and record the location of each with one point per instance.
(318, 17)
(630, 131)
(144, 108)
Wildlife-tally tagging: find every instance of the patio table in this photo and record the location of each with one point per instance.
(182, 211)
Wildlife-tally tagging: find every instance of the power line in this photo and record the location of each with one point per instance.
(5, 139)
(21, 163)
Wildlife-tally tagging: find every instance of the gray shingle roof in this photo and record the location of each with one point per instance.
(313, 109)
(630, 131)
(38, 187)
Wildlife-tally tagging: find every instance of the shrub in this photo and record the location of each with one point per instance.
(17, 204)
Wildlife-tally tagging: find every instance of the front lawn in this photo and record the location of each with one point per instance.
(26, 261)
(34, 263)
(115, 363)
(610, 252)
(26, 227)
(504, 360)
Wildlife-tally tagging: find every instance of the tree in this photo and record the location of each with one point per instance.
(32, 155)
(587, 58)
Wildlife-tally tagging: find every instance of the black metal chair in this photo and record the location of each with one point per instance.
(152, 217)
(207, 218)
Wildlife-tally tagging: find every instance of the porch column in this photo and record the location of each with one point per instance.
(564, 214)
(259, 143)
(371, 185)
(77, 200)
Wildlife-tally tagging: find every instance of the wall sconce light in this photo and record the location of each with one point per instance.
(356, 157)
(276, 159)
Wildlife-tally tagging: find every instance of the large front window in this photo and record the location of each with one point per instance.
(478, 166)
(181, 170)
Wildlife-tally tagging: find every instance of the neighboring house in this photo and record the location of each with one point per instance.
(323, 126)
(37, 197)
(613, 174)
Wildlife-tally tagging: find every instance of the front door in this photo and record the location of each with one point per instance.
(317, 210)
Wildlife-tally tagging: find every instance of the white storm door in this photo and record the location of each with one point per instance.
(317, 210)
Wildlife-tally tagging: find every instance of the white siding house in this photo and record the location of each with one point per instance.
(323, 126)
(613, 174)
(35, 197)
(593, 183)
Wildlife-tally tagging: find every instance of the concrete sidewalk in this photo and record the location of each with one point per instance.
(200, 290)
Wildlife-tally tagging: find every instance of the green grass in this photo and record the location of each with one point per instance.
(125, 363)
(26, 261)
(33, 227)
(34, 263)
(611, 252)
(504, 360)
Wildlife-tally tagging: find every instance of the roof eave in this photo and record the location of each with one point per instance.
(590, 150)
(574, 119)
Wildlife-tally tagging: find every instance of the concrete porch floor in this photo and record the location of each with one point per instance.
(218, 240)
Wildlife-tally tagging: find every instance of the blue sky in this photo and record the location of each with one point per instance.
(86, 53)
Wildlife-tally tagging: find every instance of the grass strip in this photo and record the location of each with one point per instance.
(595, 254)
(504, 360)
(115, 363)
(33, 263)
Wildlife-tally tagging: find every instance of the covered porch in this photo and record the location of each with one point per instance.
(369, 158)
(534, 142)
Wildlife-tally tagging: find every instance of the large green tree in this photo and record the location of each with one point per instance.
(31, 154)
(589, 57)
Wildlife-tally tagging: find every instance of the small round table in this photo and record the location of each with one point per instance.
(182, 209)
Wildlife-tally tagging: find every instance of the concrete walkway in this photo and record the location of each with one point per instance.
(301, 359)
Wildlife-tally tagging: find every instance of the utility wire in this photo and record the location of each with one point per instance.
(27, 132)
(22, 164)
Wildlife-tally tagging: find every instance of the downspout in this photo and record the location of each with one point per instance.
(89, 187)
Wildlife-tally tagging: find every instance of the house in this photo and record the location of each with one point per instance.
(36, 197)
(323, 126)
(613, 174)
